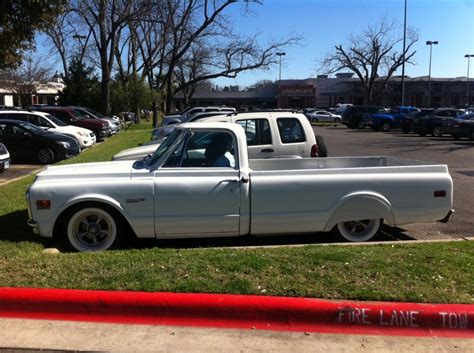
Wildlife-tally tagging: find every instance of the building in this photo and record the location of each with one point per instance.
(324, 92)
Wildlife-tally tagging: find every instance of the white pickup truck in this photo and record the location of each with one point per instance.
(201, 183)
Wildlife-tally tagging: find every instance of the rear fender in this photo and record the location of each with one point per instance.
(361, 205)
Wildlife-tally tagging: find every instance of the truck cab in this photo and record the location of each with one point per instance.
(387, 121)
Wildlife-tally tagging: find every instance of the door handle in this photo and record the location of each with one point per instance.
(268, 150)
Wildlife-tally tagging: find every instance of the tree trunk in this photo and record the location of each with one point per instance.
(155, 112)
(105, 93)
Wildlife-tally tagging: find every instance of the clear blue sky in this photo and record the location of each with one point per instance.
(324, 23)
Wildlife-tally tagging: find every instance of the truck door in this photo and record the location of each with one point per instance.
(197, 190)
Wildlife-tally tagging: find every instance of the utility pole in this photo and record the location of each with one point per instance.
(404, 50)
(280, 54)
(468, 56)
(430, 43)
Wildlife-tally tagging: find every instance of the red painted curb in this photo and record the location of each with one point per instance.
(240, 311)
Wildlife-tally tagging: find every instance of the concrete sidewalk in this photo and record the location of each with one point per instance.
(44, 335)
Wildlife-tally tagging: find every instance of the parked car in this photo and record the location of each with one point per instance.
(190, 112)
(389, 120)
(71, 116)
(433, 123)
(26, 141)
(407, 122)
(462, 126)
(322, 116)
(341, 108)
(181, 192)
(4, 158)
(275, 134)
(85, 137)
(114, 122)
(353, 116)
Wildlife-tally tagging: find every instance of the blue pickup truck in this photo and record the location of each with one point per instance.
(387, 121)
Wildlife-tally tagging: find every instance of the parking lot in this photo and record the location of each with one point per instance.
(458, 155)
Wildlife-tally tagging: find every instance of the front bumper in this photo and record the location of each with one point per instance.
(5, 164)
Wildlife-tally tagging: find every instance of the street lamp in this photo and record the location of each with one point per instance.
(404, 50)
(430, 43)
(280, 54)
(468, 56)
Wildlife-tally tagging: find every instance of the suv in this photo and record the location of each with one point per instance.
(70, 116)
(434, 122)
(272, 134)
(353, 116)
(190, 112)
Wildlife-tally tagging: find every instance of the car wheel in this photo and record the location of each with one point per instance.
(386, 126)
(337, 120)
(323, 150)
(92, 228)
(456, 137)
(422, 133)
(437, 132)
(359, 231)
(45, 155)
(472, 136)
(406, 131)
(315, 120)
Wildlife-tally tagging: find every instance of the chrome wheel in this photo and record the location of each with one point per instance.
(437, 132)
(91, 229)
(361, 230)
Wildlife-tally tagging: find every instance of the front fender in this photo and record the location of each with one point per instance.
(360, 205)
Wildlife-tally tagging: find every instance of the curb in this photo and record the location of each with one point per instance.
(240, 312)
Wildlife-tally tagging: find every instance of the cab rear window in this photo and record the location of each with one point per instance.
(290, 130)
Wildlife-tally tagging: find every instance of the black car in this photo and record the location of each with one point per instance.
(26, 141)
(433, 123)
(353, 116)
(462, 126)
(407, 122)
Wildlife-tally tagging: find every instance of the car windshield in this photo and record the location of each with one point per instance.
(93, 112)
(55, 120)
(160, 151)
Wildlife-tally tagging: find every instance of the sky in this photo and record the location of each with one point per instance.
(325, 23)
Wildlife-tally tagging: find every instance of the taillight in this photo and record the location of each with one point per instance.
(314, 151)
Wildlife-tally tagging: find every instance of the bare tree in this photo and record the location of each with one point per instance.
(25, 81)
(373, 57)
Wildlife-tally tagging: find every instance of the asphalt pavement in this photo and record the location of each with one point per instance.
(458, 155)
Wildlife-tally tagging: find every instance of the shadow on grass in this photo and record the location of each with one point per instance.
(14, 228)
(387, 234)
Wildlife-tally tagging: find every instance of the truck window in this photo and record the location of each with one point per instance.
(204, 149)
(257, 131)
(290, 130)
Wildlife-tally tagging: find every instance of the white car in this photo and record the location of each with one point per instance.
(190, 188)
(4, 158)
(274, 134)
(323, 116)
(85, 137)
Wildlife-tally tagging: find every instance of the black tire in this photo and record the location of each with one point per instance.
(323, 151)
(436, 132)
(456, 137)
(406, 130)
(90, 227)
(45, 155)
(472, 136)
(422, 133)
(352, 126)
(360, 230)
(97, 135)
(386, 126)
(337, 120)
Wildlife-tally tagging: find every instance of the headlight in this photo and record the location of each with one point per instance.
(65, 144)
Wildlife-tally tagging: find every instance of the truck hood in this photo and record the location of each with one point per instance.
(80, 171)
(133, 154)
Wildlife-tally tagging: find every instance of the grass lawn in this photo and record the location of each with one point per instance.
(437, 272)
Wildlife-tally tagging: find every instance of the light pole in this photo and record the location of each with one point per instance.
(404, 49)
(280, 54)
(430, 43)
(468, 56)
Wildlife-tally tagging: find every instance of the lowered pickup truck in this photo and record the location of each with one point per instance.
(201, 183)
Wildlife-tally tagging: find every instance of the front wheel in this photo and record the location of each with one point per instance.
(323, 150)
(386, 126)
(91, 228)
(46, 155)
(359, 231)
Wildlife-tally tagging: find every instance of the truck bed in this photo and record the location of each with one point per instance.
(345, 165)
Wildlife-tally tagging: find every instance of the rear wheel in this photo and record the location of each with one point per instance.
(337, 120)
(45, 155)
(406, 130)
(386, 126)
(323, 151)
(360, 230)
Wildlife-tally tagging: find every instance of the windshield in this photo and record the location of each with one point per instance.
(55, 120)
(33, 128)
(160, 151)
(96, 114)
